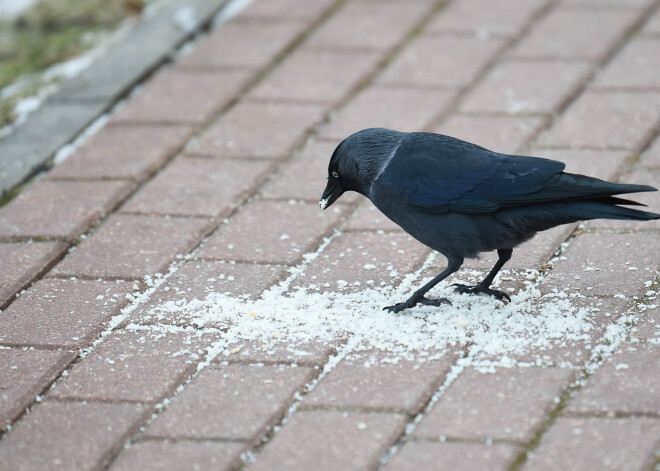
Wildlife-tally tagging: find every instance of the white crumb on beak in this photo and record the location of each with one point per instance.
(323, 203)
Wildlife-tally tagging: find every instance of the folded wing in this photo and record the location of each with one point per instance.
(438, 174)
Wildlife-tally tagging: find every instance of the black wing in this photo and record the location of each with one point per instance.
(436, 173)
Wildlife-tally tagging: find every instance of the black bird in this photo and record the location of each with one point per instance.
(461, 199)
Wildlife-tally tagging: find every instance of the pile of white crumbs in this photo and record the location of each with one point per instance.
(489, 329)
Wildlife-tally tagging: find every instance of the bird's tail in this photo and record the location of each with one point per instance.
(605, 208)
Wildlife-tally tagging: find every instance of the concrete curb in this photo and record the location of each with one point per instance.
(84, 98)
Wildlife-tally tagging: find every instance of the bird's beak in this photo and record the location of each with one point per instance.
(332, 191)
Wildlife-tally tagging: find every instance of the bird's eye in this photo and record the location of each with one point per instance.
(335, 174)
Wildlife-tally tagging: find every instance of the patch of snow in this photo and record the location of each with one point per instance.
(70, 68)
(27, 105)
(185, 18)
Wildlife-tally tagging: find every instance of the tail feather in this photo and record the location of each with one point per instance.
(567, 187)
(615, 200)
(602, 210)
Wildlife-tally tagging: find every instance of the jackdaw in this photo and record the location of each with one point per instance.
(461, 199)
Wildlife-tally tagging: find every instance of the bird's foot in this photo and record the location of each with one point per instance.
(478, 289)
(413, 301)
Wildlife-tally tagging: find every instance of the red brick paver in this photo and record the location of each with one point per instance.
(231, 402)
(582, 443)
(403, 386)
(317, 75)
(478, 18)
(251, 129)
(132, 246)
(197, 186)
(420, 63)
(572, 33)
(24, 375)
(359, 25)
(434, 456)
(604, 265)
(131, 151)
(507, 404)
(244, 44)
(355, 261)
(624, 384)
(65, 313)
(135, 366)
(400, 108)
(527, 87)
(263, 232)
(70, 435)
(69, 209)
(356, 442)
(218, 456)
(195, 280)
(176, 96)
(620, 120)
(503, 134)
(23, 262)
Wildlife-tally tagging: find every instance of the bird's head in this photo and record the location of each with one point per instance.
(358, 161)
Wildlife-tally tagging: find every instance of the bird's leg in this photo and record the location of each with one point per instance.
(484, 287)
(418, 296)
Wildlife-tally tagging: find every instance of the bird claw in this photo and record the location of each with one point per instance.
(412, 302)
(479, 289)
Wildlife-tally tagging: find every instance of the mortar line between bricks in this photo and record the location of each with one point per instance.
(97, 400)
(502, 114)
(465, 34)
(367, 410)
(288, 101)
(623, 88)
(581, 147)
(164, 439)
(475, 441)
(613, 415)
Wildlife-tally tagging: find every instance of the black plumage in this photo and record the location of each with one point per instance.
(461, 199)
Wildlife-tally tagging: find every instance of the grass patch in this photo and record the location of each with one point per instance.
(50, 32)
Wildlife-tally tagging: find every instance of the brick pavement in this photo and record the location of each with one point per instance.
(206, 181)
